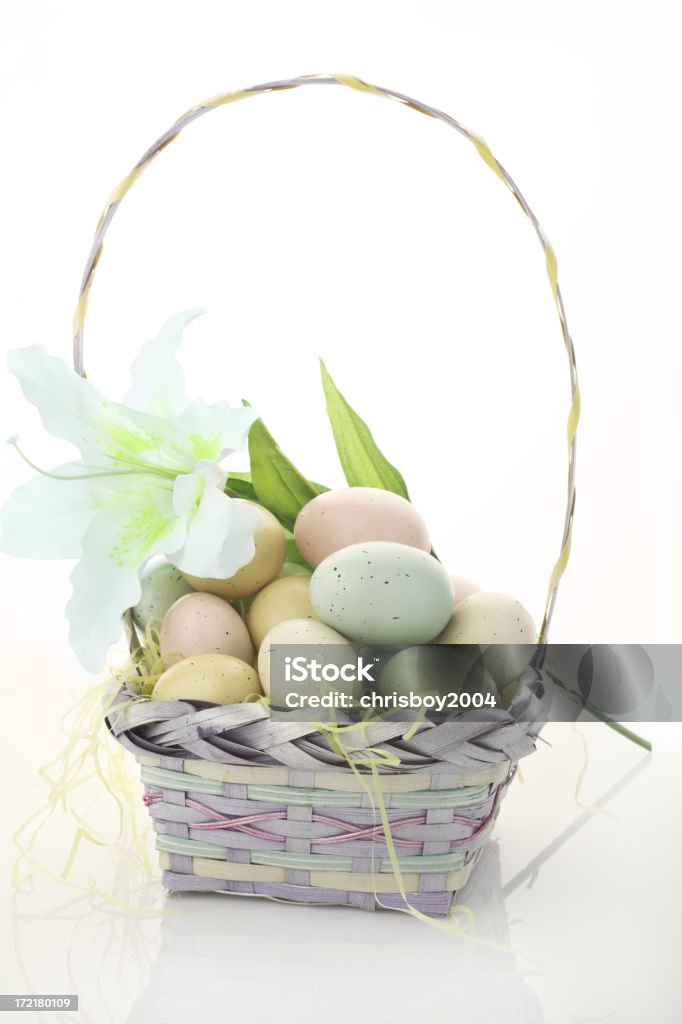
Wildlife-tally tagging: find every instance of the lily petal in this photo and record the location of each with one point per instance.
(220, 530)
(215, 431)
(124, 534)
(46, 517)
(158, 385)
(104, 432)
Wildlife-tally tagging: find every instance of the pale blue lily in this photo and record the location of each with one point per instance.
(149, 482)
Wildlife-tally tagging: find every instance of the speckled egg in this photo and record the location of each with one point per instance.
(383, 593)
(302, 632)
(337, 519)
(463, 588)
(271, 549)
(203, 624)
(436, 669)
(489, 620)
(283, 599)
(162, 585)
(217, 678)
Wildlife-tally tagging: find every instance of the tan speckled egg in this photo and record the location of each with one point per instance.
(271, 549)
(353, 515)
(217, 678)
(203, 624)
(489, 619)
(287, 598)
(301, 631)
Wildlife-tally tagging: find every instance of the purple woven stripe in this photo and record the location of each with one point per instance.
(435, 903)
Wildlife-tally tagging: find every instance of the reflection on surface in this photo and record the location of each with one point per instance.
(333, 963)
(531, 870)
(216, 957)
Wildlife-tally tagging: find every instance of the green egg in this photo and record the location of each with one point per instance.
(441, 671)
(162, 586)
(380, 592)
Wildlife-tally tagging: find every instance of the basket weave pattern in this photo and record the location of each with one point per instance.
(312, 837)
(246, 804)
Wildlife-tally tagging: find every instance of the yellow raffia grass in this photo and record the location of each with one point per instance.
(89, 755)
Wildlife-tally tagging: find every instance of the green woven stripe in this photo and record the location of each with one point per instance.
(424, 799)
(166, 779)
(305, 861)
(327, 862)
(468, 796)
(424, 865)
(310, 861)
(304, 797)
(190, 847)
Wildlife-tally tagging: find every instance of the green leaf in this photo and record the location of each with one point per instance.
(363, 463)
(293, 554)
(239, 485)
(279, 485)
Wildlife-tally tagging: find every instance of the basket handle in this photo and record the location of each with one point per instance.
(486, 155)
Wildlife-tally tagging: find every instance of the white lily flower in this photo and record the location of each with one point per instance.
(149, 482)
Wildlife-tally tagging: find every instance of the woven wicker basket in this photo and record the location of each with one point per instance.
(245, 804)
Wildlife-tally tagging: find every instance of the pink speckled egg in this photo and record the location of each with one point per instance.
(354, 515)
(463, 588)
(203, 624)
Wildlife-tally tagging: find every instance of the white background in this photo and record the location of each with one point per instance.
(323, 222)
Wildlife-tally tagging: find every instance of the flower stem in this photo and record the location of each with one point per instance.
(96, 473)
(629, 735)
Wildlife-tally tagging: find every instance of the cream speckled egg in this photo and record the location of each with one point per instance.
(162, 585)
(493, 619)
(301, 631)
(203, 624)
(217, 678)
(271, 549)
(337, 519)
(383, 593)
(283, 599)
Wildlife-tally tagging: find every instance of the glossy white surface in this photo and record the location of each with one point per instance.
(583, 905)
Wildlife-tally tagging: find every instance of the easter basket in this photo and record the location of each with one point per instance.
(375, 813)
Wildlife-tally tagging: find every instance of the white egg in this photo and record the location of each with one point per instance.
(301, 633)
(499, 624)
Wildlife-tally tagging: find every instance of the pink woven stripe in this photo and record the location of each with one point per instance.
(245, 824)
(375, 832)
(220, 821)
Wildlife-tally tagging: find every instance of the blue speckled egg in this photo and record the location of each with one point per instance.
(380, 592)
(162, 586)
